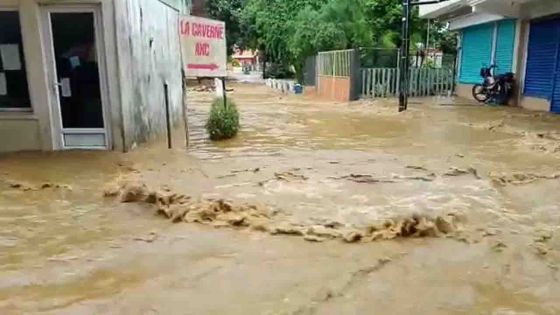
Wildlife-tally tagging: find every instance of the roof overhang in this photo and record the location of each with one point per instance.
(456, 8)
(473, 19)
(444, 9)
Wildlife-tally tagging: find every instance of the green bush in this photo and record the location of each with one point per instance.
(223, 122)
(279, 71)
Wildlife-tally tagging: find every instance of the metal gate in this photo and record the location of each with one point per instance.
(541, 78)
(338, 74)
(310, 71)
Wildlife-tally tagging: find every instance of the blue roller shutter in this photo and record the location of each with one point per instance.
(555, 103)
(541, 58)
(476, 52)
(504, 46)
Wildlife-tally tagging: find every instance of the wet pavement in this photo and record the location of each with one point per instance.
(64, 249)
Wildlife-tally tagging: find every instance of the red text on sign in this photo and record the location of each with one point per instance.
(202, 30)
(202, 49)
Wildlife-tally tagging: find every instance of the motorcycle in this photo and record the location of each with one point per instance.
(494, 89)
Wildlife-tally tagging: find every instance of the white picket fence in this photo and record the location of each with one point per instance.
(384, 82)
(285, 86)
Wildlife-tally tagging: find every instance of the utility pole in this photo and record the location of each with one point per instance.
(428, 36)
(404, 63)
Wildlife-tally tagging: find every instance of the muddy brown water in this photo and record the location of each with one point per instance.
(66, 250)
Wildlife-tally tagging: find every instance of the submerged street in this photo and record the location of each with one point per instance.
(355, 171)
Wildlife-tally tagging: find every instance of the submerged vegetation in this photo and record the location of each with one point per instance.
(223, 121)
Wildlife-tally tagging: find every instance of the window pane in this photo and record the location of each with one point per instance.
(14, 92)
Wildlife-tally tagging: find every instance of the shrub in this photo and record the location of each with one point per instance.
(223, 122)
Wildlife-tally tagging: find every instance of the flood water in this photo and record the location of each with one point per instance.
(64, 249)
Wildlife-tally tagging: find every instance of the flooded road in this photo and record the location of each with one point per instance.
(64, 249)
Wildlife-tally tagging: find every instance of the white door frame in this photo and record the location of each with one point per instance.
(54, 95)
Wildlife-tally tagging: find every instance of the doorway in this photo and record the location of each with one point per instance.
(77, 76)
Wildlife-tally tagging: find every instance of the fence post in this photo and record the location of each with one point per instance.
(440, 81)
(375, 82)
(363, 81)
(370, 82)
(425, 82)
(354, 69)
(398, 89)
(454, 76)
(334, 72)
(433, 81)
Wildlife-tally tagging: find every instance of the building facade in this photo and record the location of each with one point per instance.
(87, 74)
(247, 58)
(519, 36)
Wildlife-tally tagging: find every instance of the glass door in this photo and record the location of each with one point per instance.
(76, 78)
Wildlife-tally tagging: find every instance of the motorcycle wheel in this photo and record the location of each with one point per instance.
(480, 93)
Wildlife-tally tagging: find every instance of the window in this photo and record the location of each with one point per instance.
(14, 93)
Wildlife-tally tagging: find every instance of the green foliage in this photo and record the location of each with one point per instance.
(223, 121)
(280, 71)
(428, 63)
(337, 24)
(384, 18)
(445, 39)
(230, 12)
(286, 32)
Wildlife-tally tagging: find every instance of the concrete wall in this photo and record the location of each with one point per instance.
(34, 126)
(140, 52)
(464, 90)
(537, 8)
(532, 103)
(35, 130)
(19, 135)
(149, 56)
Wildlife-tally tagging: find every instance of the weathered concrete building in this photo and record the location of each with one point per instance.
(521, 36)
(87, 74)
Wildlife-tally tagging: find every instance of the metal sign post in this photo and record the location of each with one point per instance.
(224, 91)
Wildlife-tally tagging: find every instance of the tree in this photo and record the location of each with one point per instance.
(443, 38)
(228, 11)
(338, 24)
(286, 32)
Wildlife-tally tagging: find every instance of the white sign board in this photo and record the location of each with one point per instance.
(203, 47)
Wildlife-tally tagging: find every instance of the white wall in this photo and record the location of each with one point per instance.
(36, 127)
(149, 55)
(141, 51)
(473, 19)
(538, 8)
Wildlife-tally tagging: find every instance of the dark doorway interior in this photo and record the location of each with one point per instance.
(77, 70)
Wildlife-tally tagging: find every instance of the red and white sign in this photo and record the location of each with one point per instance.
(203, 47)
